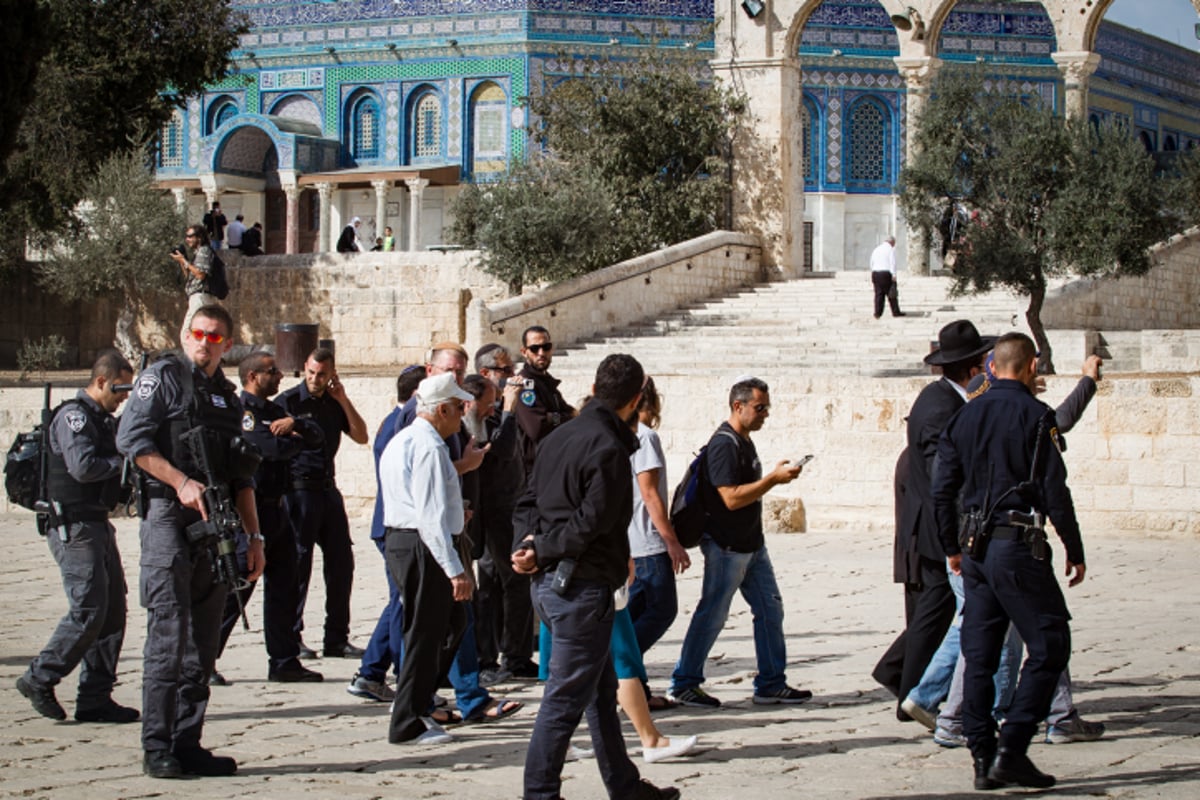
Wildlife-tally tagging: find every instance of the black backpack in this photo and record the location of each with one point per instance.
(218, 283)
(688, 515)
(23, 469)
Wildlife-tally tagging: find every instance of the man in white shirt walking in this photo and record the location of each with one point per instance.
(883, 275)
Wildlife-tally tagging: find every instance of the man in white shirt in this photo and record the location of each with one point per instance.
(233, 234)
(883, 275)
(422, 513)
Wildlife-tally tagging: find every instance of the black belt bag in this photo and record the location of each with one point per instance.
(312, 484)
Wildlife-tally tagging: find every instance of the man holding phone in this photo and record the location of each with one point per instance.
(314, 503)
(735, 555)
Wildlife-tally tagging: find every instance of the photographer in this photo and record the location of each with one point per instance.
(195, 261)
(173, 400)
(83, 483)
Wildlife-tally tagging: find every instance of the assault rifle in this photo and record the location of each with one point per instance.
(220, 531)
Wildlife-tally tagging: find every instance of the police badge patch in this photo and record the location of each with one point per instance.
(147, 385)
(528, 397)
(75, 419)
(247, 421)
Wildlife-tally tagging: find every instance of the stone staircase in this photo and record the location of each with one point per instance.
(841, 381)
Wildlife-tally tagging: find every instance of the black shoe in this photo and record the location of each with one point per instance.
(899, 314)
(344, 650)
(161, 764)
(217, 679)
(983, 765)
(528, 671)
(294, 672)
(42, 698)
(198, 761)
(1014, 767)
(306, 652)
(109, 712)
(648, 791)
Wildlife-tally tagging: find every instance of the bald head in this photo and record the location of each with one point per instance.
(1014, 357)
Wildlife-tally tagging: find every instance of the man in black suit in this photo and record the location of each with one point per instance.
(920, 561)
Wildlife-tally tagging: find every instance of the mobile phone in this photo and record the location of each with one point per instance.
(800, 462)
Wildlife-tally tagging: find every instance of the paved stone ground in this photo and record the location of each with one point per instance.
(1136, 662)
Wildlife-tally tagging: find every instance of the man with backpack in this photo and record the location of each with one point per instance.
(83, 483)
(203, 272)
(735, 555)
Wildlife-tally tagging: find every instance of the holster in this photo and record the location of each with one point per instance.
(974, 533)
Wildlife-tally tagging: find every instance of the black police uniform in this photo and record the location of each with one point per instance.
(84, 475)
(539, 411)
(318, 513)
(178, 586)
(280, 592)
(987, 449)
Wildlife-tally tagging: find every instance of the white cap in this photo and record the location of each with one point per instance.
(356, 220)
(439, 388)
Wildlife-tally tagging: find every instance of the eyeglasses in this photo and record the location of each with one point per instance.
(191, 236)
(502, 370)
(212, 337)
(538, 348)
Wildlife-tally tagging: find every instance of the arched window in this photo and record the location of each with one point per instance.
(365, 128)
(1169, 144)
(1147, 141)
(810, 126)
(427, 127)
(489, 129)
(170, 142)
(867, 148)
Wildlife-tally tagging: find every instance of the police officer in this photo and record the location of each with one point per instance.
(84, 482)
(279, 438)
(541, 408)
(314, 503)
(1002, 453)
(179, 587)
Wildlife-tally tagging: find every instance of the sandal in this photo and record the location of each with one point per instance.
(496, 710)
(446, 717)
(656, 702)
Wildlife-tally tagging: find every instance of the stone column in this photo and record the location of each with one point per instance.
(325, 219)
(381, 192)
(180, 200)
(768, 179)
(416, 187)
(292, 226)
(1076, 68)
(918, 72)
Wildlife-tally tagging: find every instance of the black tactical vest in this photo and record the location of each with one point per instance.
(76, 496)
(208, 404)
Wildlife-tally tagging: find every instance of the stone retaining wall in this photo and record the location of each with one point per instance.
(1167, 297)
(640, 289)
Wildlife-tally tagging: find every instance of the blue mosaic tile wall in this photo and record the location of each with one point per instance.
(287, 13)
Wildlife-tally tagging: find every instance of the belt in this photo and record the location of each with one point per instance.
(456, 539)
(160, 491)
(1008, 532)
(313, 484)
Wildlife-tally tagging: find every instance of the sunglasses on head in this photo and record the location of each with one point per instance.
(211, 336)
(538, 348)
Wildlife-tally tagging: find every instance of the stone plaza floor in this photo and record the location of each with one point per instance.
(1136, 665)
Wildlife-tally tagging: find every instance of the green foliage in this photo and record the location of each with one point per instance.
(640, 157)
(118, 243)
(1054, 197)
(544, 222)
(41, 355)
(101, 81)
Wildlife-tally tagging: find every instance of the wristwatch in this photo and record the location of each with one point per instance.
(257, 537)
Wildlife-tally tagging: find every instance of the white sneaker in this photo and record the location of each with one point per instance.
(434, 734)
(371, 690)
(921, 715)
(678, 746)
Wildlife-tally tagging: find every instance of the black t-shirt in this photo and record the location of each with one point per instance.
(732, 461)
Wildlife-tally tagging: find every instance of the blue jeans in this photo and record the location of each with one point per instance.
(726, 572)
(936, 680)
(387, 641)
(653, 602)
(470, 697)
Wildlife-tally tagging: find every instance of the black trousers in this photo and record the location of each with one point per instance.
(582, 681)
(319, 520)
(433, 626)
(280, 592)
(1009, 584)
(883, 285)
(929, 610)
(505, 600)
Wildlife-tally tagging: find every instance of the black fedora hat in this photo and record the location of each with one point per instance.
(959, 341)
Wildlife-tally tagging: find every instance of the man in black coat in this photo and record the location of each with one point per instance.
(920, 561)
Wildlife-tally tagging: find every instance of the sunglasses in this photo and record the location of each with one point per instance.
(271, 371)
(502, 370)
(538, 348)
(210, 336)
(762, 408)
